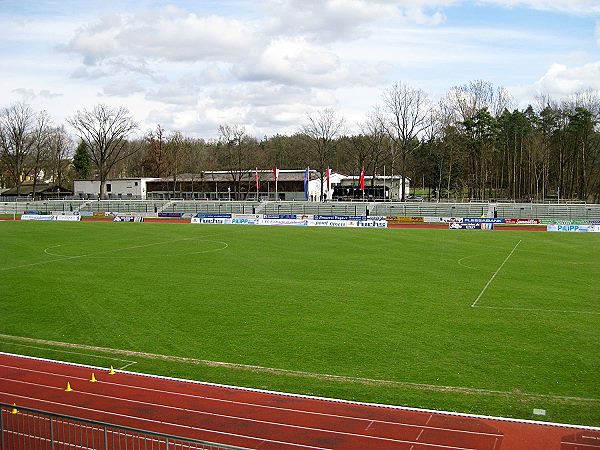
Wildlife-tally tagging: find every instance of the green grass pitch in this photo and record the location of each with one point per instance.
(369, 315)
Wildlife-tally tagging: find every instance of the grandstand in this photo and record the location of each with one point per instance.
(542, 211)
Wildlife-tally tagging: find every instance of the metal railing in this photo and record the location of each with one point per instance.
(31, 429)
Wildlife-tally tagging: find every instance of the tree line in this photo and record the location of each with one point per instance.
(472, 144)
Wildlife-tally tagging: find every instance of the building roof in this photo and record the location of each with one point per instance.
(263, 175)
(40, 188)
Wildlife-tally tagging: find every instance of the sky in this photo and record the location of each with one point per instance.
(265, 65)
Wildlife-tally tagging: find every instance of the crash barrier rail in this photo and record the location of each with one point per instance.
(26, 428)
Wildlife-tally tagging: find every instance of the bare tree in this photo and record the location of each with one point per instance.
(406, 117)
(104, 131)
(463, 102)
(18, 139)
(154, 162)
(60, 149)
(234, 153)
(322, 129)
(40, 152)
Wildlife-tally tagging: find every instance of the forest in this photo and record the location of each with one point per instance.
(472, 144)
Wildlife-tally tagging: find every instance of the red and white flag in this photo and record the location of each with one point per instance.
(362, 180)
(276, 176)
(328, 174)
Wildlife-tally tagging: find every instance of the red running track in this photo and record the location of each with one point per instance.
(258, 419)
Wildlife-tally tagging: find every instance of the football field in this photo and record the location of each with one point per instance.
(497, 323)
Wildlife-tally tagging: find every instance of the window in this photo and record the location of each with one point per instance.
(108, 187)
(135, 184)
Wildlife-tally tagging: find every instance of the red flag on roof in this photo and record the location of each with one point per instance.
(275, 173)
(256, 178)
(362, 180)
(327, 174)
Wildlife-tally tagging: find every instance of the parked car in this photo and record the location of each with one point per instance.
(414, 198)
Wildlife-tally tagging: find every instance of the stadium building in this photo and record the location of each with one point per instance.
(291, 185)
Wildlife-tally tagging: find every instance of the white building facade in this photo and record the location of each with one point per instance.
(121, 188)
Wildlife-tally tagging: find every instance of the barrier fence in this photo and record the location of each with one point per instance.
(32, 429)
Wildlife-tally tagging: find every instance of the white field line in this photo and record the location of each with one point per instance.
(67, 258)
(161, 422)
(494, 274)
(302, 374)
(267, 407)
(325, 399)
(562, 311)
(129, 362)
(461, 263)
(95, 255)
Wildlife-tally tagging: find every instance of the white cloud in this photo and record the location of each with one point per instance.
(30, 95)
(293, 61)
(122, 87)
(563, 6)
(561, 80)
(167, 35)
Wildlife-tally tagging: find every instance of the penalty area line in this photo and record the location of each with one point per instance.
(494, 275)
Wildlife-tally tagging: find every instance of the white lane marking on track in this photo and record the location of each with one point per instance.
(161, 422)
(323, 399)
(495, 273)
(298, 373)
(277, 408)
(220, 415)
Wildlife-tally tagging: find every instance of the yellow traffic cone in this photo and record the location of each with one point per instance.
(14, 410)
(93, 379)
(111, 371)
(68, 389)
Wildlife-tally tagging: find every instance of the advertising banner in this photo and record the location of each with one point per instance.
(470, 226)
(68, 217)
(212, 220)
(514, 221)
(372, 224)
(442, 219)
(332, 223)
(244, 221)
(483, 220)
(295, 222)
(127, 218)
(280, 216)
(355, 218)
(395, 220)
(170, 214)
(51, 217)
(564, 222)
(574, 228)
(213, 216)
(37, 217)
